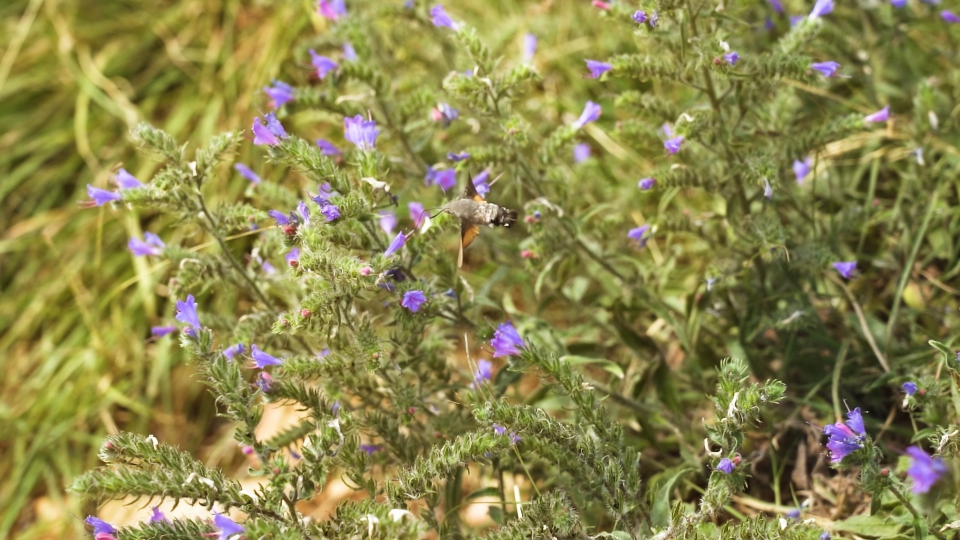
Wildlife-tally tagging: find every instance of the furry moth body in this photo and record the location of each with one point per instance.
(473, 211)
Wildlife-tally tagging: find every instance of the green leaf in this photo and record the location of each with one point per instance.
(491, 491)
(872, 526)
(947, 353)
(660, 512)
(607, 365)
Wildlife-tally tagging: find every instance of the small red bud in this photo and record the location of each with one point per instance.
(922, 391)
(276, 470)
(412, 410)
(289, 230)
(528, 219)
(376, 356)
(109, 445)
(284, 322)
(293, 263)
(884, 472)
(716, 61)
(248, 450)
(526, 254)
(736, 459)
(365, 271)
(305, 313)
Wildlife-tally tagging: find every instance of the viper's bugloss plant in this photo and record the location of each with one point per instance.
(574, 355)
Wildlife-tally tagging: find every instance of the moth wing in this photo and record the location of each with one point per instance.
(468, 231)
(470, 192)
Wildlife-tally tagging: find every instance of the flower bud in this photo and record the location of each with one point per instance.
(248, 450)
(884, 472)
(305, 313)
(289, 230)
(365, 271)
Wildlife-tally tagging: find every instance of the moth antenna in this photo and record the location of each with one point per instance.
(497, 178)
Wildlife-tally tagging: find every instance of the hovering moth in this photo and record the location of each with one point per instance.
(473, 211)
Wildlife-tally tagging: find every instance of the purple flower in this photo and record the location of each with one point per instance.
(506, 341)
(950, 16)
(443, 112)
(293, 257)
(480, 183)
(768, 24)
(654, 19)
(445, 178)
(370, 448)
(924, 469)
(227, 526)
(324, 192)
(412, 300)
(725, 466)
(456, 158)
(731, 58)
(646, 183)
(323, 64)
(262, 135)
(264, 381)
(396, 244)
(484, 371)
(233, 350)
(268, 268)
(898, 3)
(514, 438)
(638, 234)
(439, 18)
(274, 125)
(331, 212)
(327, 148)
(794, 513)
(821, 8)
(416, 213)
(187, 313)
(639, 16)
(673, 144)
(801, 169)
(776, 5)
(767, 190)
(157, 515)
(846, 269)
(263, 359)
(388, 221)
(247, 173)
(280, 217)
(880, 116)
(581, 152)
(795, 20)
(828, 68)
(910, 388)
(127, 181)
(591, 111)
(824, 535)
(160, 331)
(349, 53)
(99, 526)
(845, 438)
(101, 196)
(529, 47)
(597, 68)
(335, 408)
(498, 429)
(332, 9)
(152, 246)
(280, 93)
(362, 133)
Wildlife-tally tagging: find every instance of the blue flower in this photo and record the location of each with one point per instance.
(349, 53)
(639, 16)
(280, 93)
(332, 9)
(821, 8)
(673, 144)
(412, 300)
(127, 181)
(845, 438)
(910, 388)
(506, 341)
(396, 244)
(456, 158)
(529, 47)
(101, 197)
(484, 371)
(227, 526)
(880, 116)
(370, 448)
(293, 257)
(388, 221)
(591, 112)
(801, 169)
(846, 269)
(157, 515)
(654, 19)
(498, 429)
(581, 152)
(950, 16)
(262, 135)
(187, 313)
(828, 68)
(767, 190)
(924, 469)
(280, 217)
(324, 192)
(152, 246)
(160, 331)
(362, 133)
(480, 183)
(638, 234)
(731, 58)
(100, 526)
(776, 5)
(439, 18)
(417, 213)
(725, 466)
(331, 212)
(824, 535)
(646, 183)
(233, 350)
(898, 3)
(247, 173)
(263, 359)
(327, 148)
(323, 64)
(597, 68)
(445, 178)
(443, 112)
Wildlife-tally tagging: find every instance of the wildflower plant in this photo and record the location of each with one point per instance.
(319, 292)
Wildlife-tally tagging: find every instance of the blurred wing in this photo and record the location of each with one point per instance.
(471, 191)
(468, 231)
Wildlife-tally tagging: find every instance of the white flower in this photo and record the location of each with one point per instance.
(398, 514)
